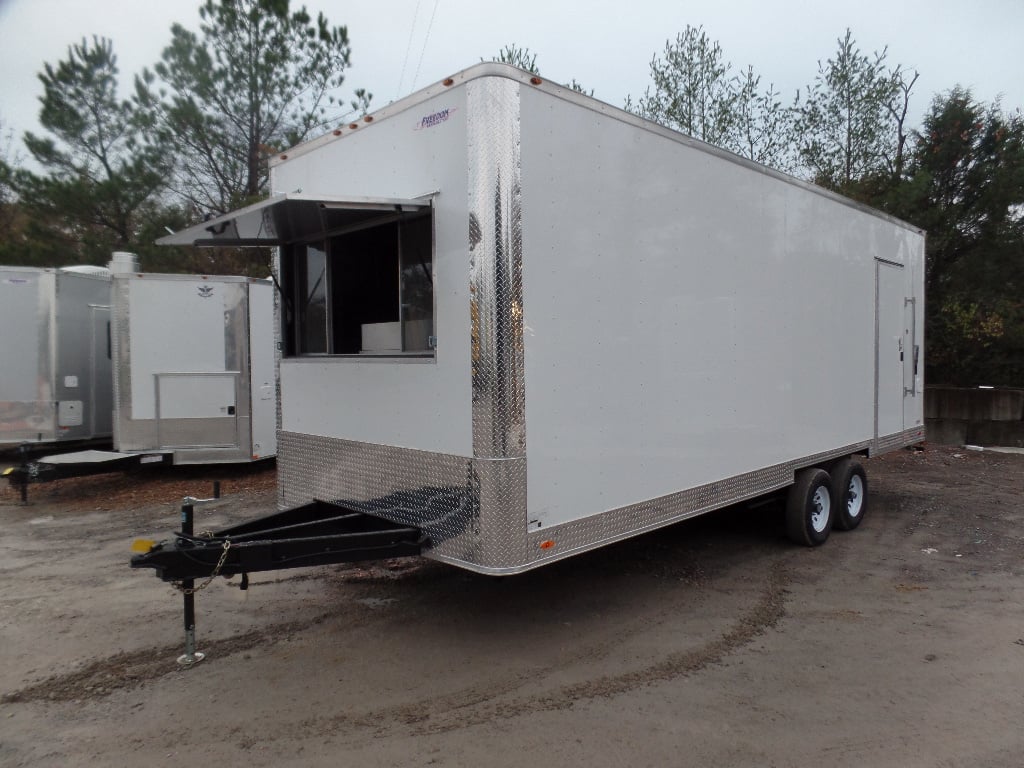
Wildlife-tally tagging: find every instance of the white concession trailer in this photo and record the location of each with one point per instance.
(55, 384)
(528, 324)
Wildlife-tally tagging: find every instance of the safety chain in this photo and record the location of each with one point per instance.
(210, 578)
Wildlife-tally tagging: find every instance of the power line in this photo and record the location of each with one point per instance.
(408, 47)
(425, 39)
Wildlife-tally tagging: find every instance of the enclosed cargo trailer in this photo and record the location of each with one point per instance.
(194, 367)
(528, 324)
(55, 380)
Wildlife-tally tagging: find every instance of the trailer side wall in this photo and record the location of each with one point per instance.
(688, 319)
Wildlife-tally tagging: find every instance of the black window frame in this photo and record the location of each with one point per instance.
(413, 231)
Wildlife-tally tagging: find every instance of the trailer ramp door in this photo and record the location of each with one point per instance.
(197, 410)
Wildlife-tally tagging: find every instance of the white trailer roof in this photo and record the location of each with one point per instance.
(291, 217)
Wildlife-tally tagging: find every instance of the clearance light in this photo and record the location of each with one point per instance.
(536, 80)
(368, 118)
(353, 126)
(284, 157)
(337, 131)
(447, 81)
(547, 544)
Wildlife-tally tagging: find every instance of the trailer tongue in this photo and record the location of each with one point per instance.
(318, 533)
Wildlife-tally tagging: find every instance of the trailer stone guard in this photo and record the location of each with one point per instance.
(688, 329)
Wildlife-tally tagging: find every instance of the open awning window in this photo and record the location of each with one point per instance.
(292, 218)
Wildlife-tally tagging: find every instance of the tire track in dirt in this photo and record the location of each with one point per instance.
(131, 669)
(482, 704)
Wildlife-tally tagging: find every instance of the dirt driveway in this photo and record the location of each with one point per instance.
(711, 643)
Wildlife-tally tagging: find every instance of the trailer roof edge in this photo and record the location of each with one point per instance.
(497, 69)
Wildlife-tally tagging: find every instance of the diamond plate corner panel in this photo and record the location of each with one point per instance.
(496, 262)
(444, 495)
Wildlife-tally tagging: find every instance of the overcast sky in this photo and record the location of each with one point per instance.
(399, 46)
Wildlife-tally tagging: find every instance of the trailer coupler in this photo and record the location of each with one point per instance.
(317, 533)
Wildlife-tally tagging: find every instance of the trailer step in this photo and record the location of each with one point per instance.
(318, 533)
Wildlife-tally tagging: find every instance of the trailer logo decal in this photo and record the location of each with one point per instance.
(206, 291)
(429, 121)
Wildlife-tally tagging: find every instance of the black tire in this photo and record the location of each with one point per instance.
(850, 482)
(809, 507)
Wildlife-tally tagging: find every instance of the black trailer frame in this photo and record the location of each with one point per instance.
(79, 464)
(318, 533)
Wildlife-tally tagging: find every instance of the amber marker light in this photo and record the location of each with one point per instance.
(547, 544)
(536, 80)
(447, 81)
(337, 131)
(353, 126)
(368, 118)
(284, 157)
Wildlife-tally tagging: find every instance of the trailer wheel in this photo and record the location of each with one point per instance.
(809, 507)
(851, 492)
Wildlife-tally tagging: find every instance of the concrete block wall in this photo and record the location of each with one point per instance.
(962, 416)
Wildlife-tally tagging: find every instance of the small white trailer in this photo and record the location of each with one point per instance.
(55, 384)
(526, 324)
(186, 374)
(194, 367)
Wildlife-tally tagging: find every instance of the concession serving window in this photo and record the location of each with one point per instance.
(356, 274)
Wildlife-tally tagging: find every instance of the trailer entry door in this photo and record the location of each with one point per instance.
(892, 355)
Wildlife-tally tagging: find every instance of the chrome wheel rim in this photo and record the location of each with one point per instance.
(855, 496)
(821, 505)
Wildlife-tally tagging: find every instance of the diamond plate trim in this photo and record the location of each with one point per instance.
(617, 524)
(898, 440)
(442, 494)
(474, 510)
(818, 459)
(496, 286)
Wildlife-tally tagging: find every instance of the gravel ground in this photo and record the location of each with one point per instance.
(713, 642)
